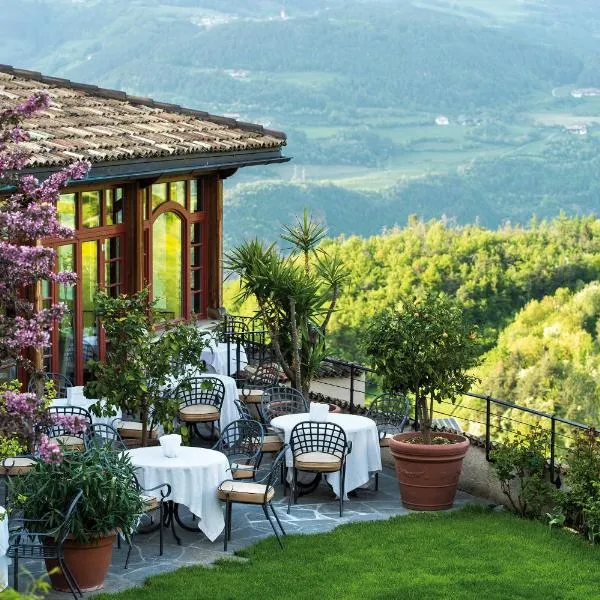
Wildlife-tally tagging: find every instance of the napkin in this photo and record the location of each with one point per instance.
(319, 412)
(170, 444)
(75, 395)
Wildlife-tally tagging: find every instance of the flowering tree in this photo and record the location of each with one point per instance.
(27, 215)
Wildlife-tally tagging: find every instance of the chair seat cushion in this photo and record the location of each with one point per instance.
(272, 443)
(242, 491)
(252, 396)
(239, 471)
(18, 465)
(384, 441)
(71, 442)
(317, 461)
(150, 503)
(199, 413)
(133, 430)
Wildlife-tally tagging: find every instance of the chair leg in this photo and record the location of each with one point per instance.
(118, 540)
(160, 529)
(71, 582)
(277, 518)
(226, 533)
(264, 507)
(230, 519)
(376, 481)
(129, 550)
(342, 488)
(16, 571)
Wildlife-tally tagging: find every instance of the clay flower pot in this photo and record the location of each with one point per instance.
(428, 473)
(89, 564)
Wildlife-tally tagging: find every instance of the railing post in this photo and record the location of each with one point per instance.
(228, 355)
(552, 443)
(351, 388)
(488, 419)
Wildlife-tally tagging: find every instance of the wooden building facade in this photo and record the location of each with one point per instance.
(149, 212)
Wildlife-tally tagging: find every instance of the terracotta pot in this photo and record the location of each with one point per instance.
(88, 563)
(428, 474)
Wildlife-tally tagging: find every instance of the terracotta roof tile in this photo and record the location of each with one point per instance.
(85, 121)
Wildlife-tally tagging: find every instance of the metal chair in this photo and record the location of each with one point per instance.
(318, 448)
(259, 492)
(241, 441)
(70, 439)
(101, 435)
(390, 413)
(61, 383)
(232, 329)
(242, 409)
(31, 545)
(265, 376)
(200, 401)
(276, 401)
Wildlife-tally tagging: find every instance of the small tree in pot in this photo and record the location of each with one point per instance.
(424, 348)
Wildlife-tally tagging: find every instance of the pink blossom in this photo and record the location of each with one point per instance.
(50, 451)
(73, 424)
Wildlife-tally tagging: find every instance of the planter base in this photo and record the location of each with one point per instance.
(428, 474)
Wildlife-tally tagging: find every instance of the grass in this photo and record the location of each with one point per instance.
(469, 554)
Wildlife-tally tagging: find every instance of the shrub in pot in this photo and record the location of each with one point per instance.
(425, 348)
(110, 503)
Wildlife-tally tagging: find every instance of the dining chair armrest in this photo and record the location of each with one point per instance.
(159, 487)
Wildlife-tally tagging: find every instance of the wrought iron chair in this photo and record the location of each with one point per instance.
(31, 545)
(318, 448)
(200, 401)
(390, 413)
(252, 388)
(71, 440)
(242, 409)
(101, 435)
(13, 466)
(241, 441)
(276, 401)
(232, 329)
(61, 383)
(260, 492)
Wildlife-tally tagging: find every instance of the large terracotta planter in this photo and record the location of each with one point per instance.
(428, 474)
(88, 563)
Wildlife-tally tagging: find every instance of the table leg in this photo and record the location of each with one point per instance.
(181, 523)
(169, 519)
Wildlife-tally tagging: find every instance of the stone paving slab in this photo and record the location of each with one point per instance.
(317, 512)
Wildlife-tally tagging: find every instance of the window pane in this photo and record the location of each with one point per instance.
(196, 303)
(159, 194)
(167, 274)
(90, 209)
(195, 196)
(196, 256)
(112, 266)
(66, 210)
(66, 328)
(196, 233)
(178, 192)
(114, 206)
(145, 194)
(89, 287)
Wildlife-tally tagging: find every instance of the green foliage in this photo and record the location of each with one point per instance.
(140, 371)
(110, 500)
(425, 347)
(520, 465)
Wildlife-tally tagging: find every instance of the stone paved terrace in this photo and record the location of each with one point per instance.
(315, 513)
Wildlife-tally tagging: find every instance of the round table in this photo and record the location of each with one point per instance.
(216, 354)
(365, 457)
(194, 476)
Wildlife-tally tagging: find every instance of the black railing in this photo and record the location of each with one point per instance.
(485, 417)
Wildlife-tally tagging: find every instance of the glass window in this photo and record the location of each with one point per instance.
(66, 210)
(112, 266)
(167, 265)
(196, 204)
(90, 209)
(113, 200)
(66, 328)
(159, 195)
(178, 192)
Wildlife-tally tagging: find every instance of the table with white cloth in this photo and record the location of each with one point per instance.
(365, 457)
(194, 476)
(78, 399)
(215, 355)
(3, 549)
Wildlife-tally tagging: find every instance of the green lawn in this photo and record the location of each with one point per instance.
(473, 553)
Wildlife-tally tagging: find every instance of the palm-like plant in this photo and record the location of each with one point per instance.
(295, 298)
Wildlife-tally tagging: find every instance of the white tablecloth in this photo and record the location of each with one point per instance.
(215, 357)
(365, 457)
(194, 476)
(3, 549)
(81, 401)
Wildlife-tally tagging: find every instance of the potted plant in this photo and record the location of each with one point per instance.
(110, 503)
(143, 362)
(425, 348)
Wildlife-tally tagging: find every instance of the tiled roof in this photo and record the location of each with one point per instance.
(100, 125)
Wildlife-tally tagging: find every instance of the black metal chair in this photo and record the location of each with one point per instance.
(200, 401)
(390, 413)
(61, 383)
(232, 329)
(242, 409)
(241, 441)
(318, 448)
(101, 435)
(260, 492)
(13, 466)
(252, 388)
(276, 401)
(31, 545)
(71, 440)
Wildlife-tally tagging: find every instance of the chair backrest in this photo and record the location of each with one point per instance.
(266, 375)
(390, 413)
(242, 409)
(280, 400)
(241, 439)
(232, 329)
(68, 411)
(65, 527)
(61, 383)
(273, 474)
(313, 436)
(201, 390)
(101, 435)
